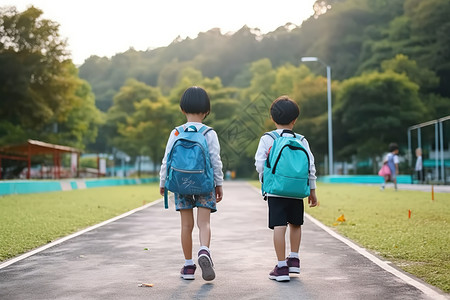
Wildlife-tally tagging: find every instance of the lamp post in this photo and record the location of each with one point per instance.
(330, 125)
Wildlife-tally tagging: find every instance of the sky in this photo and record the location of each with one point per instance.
(108, 27)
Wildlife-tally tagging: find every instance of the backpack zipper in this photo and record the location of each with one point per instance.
(293, 148)
(187, 171)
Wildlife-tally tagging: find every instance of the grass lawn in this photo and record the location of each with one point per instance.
(28, 221)
(379, 220)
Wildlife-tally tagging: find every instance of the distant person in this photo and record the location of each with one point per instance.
(195, 105)
(285, 211)
(419, 166)
(392, 162)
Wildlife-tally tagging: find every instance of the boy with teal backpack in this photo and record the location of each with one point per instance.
(286, 169)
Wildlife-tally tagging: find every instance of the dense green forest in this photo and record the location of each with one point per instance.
(390, 64)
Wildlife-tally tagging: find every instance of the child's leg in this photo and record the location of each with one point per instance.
(279, 242)
(295, 236)
(187, 225)
(204, 225)
(204, 255)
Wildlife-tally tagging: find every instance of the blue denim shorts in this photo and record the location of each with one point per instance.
(191, 201)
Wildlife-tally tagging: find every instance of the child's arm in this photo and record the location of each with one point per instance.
(219, 193)
(312, 199)
(262, 153)
(214, 154)
(312, 166)
(163, 171)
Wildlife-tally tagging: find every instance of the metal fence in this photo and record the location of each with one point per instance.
(438, 168)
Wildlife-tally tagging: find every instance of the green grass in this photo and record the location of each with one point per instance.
(379, 220)
(30, 221)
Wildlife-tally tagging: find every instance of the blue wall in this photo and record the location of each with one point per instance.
(39, 186)
(367, 179)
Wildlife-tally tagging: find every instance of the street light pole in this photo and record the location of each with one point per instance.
(330, 121)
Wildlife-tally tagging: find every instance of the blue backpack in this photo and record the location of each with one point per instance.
(286, 171)
(189, 170)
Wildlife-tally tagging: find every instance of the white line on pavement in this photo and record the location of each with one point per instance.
(61, 240)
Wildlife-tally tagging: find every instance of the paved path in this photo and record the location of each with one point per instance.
(110, 261)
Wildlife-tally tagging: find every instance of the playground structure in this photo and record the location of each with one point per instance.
(438, 160)
(26, 151)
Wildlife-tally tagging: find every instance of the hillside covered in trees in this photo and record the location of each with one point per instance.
(353, 37)
(390, 69)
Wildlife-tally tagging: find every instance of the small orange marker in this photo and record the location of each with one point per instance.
(409, 214)
(341, 219)
(432, 192)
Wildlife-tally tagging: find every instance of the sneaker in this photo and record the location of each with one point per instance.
(187, 272)
(280, 274)
(293, 264)
(205, 262)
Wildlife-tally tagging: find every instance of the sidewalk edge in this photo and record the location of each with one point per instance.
(73, 235)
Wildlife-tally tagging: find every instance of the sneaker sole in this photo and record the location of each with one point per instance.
(280, 278)
(205, 263)
(188, 277)
(294, 270)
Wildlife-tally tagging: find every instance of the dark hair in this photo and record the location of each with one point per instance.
(392, 147)
(284, 110)
(195, 100)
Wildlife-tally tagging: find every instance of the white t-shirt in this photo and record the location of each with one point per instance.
(214, 154)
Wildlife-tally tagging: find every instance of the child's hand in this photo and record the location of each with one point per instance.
(161, 191)
(312, 199)
(219, 193)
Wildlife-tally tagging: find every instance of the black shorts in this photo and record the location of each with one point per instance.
(283, 211)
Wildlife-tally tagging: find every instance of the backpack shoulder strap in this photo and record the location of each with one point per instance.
(299, 136)
(205, 129)
(179, 129)
(273, 134)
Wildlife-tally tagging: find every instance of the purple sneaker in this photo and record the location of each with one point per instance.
(293, 264)
(280, 274)
(187, 272)
(205, 262)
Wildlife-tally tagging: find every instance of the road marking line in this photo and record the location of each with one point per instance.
(61, 240)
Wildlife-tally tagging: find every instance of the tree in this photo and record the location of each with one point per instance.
(40, 89)
(140, 120)
(148, 128)
(423, 77)
(373, 110)
(426, 79)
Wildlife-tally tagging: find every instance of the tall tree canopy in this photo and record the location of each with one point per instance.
(40, 90)
(386, 57)
(373, 110)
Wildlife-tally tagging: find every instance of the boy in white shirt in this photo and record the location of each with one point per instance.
(284, 211)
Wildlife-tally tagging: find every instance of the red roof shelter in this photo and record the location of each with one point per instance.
(31, 148)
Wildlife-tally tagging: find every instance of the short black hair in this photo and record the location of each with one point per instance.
(195, 100)
(284, 110)
(393, 147)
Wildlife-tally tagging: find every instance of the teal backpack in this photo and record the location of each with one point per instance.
(189, 169)
(286, 171)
